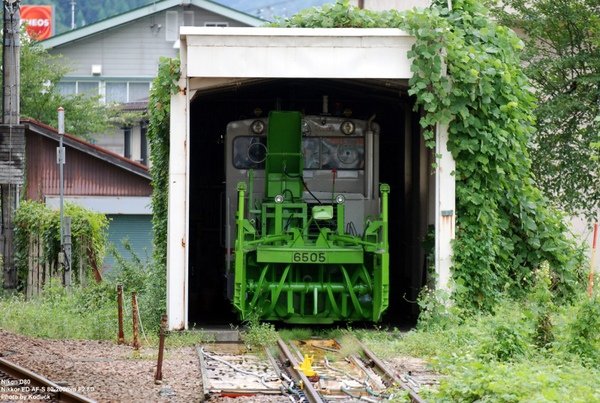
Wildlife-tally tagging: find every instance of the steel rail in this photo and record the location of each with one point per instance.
(307, 387)
(62, 394)
(414, 397)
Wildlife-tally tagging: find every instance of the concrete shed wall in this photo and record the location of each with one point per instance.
(213, 58)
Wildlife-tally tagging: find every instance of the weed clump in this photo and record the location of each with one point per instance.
(258, 334)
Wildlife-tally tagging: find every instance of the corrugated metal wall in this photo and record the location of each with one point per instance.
(83, 173)
(137, 230)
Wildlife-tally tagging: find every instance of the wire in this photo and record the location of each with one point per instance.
(137, 309)
(351, 229)
(303, 183)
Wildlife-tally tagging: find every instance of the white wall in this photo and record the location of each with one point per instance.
(380, 5)
(209, 54)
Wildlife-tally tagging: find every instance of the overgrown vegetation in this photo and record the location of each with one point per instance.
(69, 313)
(258, 334)
(508, 333)
(505, 226)
(500, 356)
(562, 59)
(36, 223)
(159, 109)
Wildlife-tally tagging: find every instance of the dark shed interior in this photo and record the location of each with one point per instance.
(404, 163)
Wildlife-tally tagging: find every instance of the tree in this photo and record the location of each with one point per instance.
(40, 96)
(562, 60)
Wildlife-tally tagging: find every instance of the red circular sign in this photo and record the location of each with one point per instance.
(38, 20)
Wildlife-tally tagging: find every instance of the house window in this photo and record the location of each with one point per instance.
(112, 91)
(216, 24)
(188, 18)
(172, 26)
(127, 142)
(67, 87)
(143, 145)
(88, 88)
(138, 91)
(116, 92)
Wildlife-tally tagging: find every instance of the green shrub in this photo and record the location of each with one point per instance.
(61, 313)
(258, 334)
(36, 220)
(584, 332)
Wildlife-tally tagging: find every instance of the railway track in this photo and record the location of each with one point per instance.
(301, 370)
(20, 384)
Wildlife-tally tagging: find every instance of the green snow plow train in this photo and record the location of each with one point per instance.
(306, 226)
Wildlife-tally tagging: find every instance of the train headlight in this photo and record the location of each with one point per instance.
(347, 127)
(305, 128)
(279, 199)
(258, 127)
(340, 199)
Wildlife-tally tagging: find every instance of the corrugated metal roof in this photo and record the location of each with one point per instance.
(141, 105)
(89, 169)
(86, 147)
(144, 11)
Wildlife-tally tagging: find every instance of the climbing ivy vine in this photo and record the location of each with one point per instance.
(505, 227)
(159, 109)
(35, 223)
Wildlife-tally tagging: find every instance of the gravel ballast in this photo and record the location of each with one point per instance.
(105, 371)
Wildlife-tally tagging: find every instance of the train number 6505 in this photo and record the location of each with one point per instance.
(309, 257)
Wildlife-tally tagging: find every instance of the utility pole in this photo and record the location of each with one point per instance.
(65, 222)
(12, 138)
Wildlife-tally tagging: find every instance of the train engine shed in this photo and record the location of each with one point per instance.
(242, 74)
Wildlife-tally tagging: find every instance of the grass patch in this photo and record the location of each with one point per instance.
(500, 357)
(60, 313)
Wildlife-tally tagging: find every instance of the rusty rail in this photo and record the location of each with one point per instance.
(37, 381)
(307, 387)
(414, 397)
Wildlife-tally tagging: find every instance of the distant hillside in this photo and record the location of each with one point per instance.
(86, 11)
(269, 9)
(90, 11)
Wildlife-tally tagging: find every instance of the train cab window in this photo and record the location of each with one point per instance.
(342, 153)
(334, 153)
(250, 152)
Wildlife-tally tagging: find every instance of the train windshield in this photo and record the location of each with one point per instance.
(250, 152)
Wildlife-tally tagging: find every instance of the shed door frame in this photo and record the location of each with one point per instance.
(215, 57)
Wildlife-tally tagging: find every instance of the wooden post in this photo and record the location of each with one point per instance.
(82, 274)
(29, 287)
(46, 277)
(121, 335)
(8, 196)
(39, 268)
(92, 262)
(67, 252)
(590, 289)
(35, 271)
(161, 349)
(136, 325)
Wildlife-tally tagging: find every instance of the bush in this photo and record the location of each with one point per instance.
(73, 313)
(34, 220)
